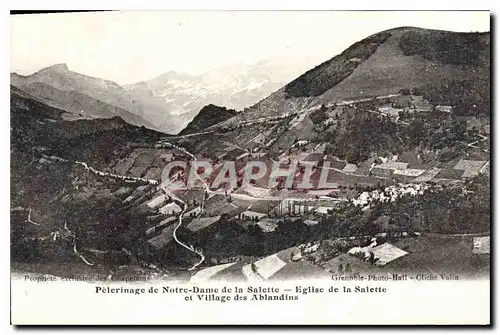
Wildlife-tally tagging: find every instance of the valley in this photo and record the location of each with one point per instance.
(391, 139)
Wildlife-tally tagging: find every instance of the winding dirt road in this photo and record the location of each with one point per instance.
(70, 233)
(31, 221)
(174, 234)
(152, 182)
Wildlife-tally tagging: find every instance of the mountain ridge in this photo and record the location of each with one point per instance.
(207, 116)
(385, 71)
(61, 78)
(81, 105)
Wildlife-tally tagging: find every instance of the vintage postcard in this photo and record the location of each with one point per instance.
(250, 167)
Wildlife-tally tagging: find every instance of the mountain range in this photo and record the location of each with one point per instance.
(166, 103)
(84, 96)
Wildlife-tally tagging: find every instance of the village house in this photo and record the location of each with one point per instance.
(248, 214)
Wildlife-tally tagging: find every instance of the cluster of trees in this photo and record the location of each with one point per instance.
(226, 238)
(447, 47)
(357, 135)
(319, 116)
(448, 211)
(436, 135)
(468, 97)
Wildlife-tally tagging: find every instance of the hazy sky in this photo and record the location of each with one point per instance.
(127, 47)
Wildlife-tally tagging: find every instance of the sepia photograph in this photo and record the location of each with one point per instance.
(186, 150)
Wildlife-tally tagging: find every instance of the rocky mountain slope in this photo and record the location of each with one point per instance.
(80, 105)
(60, 87)
(373, 77)
(382, 64)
